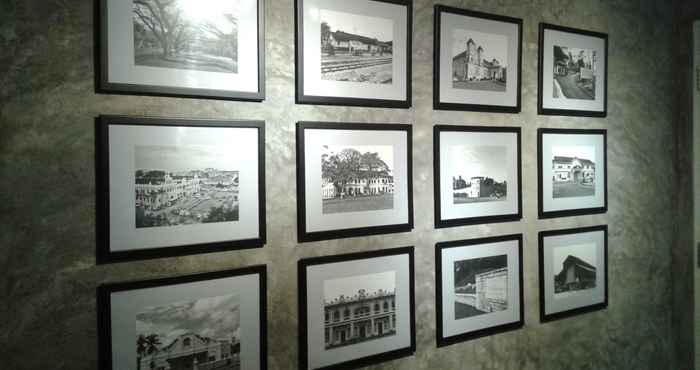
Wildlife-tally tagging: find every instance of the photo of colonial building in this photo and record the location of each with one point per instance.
(361, 317)
(472, 69)
(572, 176)
(168, 193)
(478, 189)
(575, 274)
(481, 286)
(190, 351)
(575, 72)
(478, 173)
(357, 178)
(356, 48)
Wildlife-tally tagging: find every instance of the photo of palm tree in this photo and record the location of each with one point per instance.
(357, 178)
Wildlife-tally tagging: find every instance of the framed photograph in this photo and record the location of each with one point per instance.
(171, 187)
(476, 174)
(573, 72)
(572, 167)
(355, 53)
(188, 48)
(477, 61)
(479, 285)
(573, 271)
(353, 179)
(356, 309)
(215, 320)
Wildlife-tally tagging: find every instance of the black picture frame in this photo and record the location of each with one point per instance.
(443, 223)
(441, 340)
(302, 98)
(544, 317)
(104, 306)
(542, 214)
(104, 86)
(437, 35)
(303, 264)
(104, 254)
(540, 75)
(306, 236)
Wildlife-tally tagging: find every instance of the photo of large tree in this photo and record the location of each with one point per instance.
(186, 34)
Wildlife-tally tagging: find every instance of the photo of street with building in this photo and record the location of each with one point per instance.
(479, 61)
(197, 35)
(575, 73)
(356, 48)
(478, 174)
(203, 334)
(575, 269)
(357, 178)
(184, 185)
(359, 308)
(481, 286)
(573, 171)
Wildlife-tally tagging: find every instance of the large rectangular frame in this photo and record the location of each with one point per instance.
(302, 98)
(102, 84)
(303, 264)
(303, 235)
(578, 211)
(437, 104)
(104, 307)
(103, 252)
(540, 75)
(439, 222)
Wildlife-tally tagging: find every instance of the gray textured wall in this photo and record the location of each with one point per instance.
(47, 240)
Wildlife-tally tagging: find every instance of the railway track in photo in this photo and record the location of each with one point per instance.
(344, 65)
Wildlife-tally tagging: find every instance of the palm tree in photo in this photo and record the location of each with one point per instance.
(140, 350)
(152, 343)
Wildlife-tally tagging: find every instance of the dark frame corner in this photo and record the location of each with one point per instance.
(101, 65)
(439, 222)
(302, 266)
(541, 213)
(302, 234)
(441, 340)
(103, 254)
(544, 317)
(540, 73)
(437, 104)
(301, 98)
(104, 307)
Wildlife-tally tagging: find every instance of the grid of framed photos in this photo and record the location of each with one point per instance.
(184, 48)
(356, 309)
(174, 187)
(353, 179)
(169, 187)
(158, 324)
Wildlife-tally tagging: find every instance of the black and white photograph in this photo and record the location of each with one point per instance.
(171, 187)
(190, 48)
(479, 285)
(572, 71)
(573, 171)
(356, 309)
(357, 178)
(353, 179)
(166, 335)
(354, 53)
(575, 73)
(187, 34)
(572, 166)
(182, 186)
(359, 308)
(573, 269)
(477, 61)
(477, 175)
(208, 321)
(356, 48)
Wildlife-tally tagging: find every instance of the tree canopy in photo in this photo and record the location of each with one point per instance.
(349, 164)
